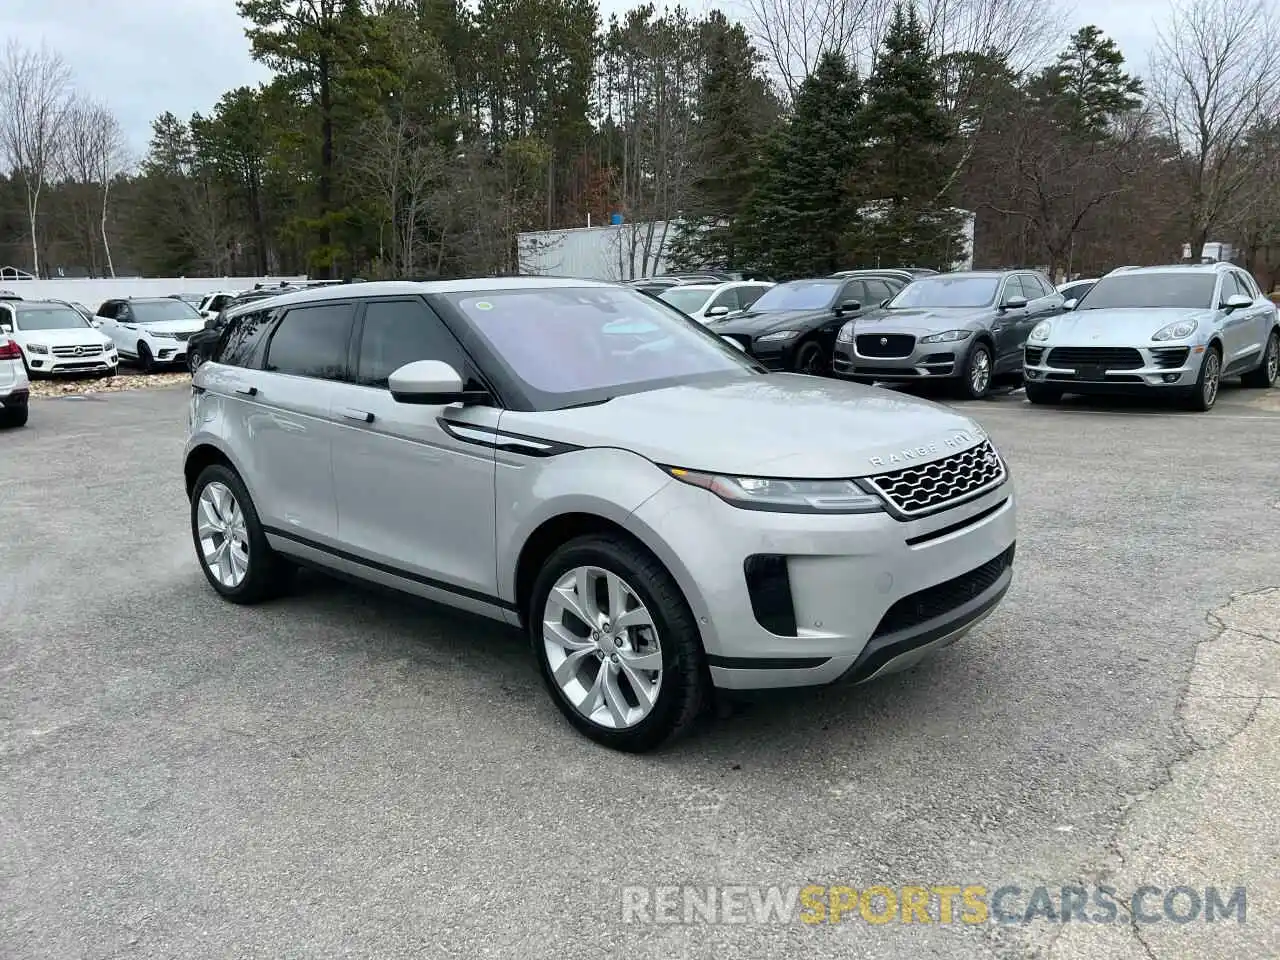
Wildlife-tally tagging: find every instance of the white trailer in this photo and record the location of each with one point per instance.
(618, 252)
(93, 291)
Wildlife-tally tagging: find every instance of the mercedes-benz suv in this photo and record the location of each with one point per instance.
(661, 514)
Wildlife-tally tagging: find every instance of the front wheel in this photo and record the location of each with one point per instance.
(975, 380)
(194, 360)
(230, 542)
(618, 647)
(1038, 393)
(1205, 393)
(146, 362)
(811, 359)
(1267, 372)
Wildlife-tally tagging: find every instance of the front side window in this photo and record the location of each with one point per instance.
(684, 299)
(41, 317)
(1151, 291)
(727, 299)
(945, 292)
(569, 345)
(747, 296)
(1237, 287)
(800, 295)
(312, 342)
(109, 309)
(397, 332)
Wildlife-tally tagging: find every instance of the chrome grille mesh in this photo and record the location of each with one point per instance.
(925, 487)
(85, 351)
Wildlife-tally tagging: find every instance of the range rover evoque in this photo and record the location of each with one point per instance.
(659, 513)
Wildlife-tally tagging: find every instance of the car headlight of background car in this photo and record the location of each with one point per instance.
(1177, 330)
(778, 335)
(1041, 331)
(783, 496)
(846, 333)
(947, 336)
(37, 348)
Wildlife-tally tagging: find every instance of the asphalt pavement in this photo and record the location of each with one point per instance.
(348, 773)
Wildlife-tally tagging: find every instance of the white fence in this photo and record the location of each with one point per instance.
(93, 292)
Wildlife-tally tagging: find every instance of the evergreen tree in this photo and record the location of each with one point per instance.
(909, 220)
(1087, 86)
(798, 220)
(735, 113)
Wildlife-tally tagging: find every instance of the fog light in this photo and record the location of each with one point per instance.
(1033, 374)
(1172, 377)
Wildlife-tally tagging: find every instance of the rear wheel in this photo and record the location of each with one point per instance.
(1039, 393)
(1204, 394)
(14, 416)
(618, 647)
(1267, 372)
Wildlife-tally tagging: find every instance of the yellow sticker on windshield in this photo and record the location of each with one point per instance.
(483, 305)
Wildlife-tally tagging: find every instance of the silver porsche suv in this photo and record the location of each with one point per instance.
(659, 513)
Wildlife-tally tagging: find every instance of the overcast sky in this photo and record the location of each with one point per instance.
(143, 57)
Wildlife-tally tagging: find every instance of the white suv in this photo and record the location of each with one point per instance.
(55, 338)
(14, 388)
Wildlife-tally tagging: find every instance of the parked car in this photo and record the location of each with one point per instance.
(1074, 291)
(793, 325)
(78, 307)
(597, 484)
(1163, 331)
(56, 339)
(211, 304)
(200, 346)
(900, 277)
(966, 329)
(708, 301)
(15, 389)
(150, 331)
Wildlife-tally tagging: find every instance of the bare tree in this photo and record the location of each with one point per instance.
(1215, 79)
(90, 155)
(794, 34)
(1021, 33)
(34, 90)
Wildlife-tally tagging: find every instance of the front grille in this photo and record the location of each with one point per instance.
(1169, 358)
(930, 486)
(86, 351)
(1110, 358)
(887, 345)
(937, 601)
(1034, 355)
(184, 337)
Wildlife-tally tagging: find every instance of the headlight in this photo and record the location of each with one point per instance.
(1176, 330)
(783, 496)
(846, 333)
(161, 335)
(780, 335)
(1041, 331)
(947, 336)
(37, 348)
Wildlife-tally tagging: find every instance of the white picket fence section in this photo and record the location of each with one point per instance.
(92, 292)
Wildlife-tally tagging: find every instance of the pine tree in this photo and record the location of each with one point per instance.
(1087, 86)
(910, 221)
(799, 217)
(735, 112)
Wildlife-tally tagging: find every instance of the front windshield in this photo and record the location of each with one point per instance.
(1188, 291)
(580, 344)
(684, 299)
(944, 292)
(50, 318)
(156, 311)
(798, 295)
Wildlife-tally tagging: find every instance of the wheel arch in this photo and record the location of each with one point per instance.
(205, 454)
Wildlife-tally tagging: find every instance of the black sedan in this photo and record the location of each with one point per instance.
(794, 325)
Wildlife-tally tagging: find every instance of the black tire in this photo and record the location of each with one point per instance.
(685, 680)
(965, 387)
(14, 416)
(1039, 393)
(269, 574)
(1269, 370)
(146, 363)
(194, 360)
(811, 359)
(1200, 397)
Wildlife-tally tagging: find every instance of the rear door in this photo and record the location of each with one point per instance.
(415, 490)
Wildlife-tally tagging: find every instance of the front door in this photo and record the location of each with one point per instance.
(1008, 328)
(412, 495)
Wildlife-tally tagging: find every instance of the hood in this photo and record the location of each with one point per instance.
(174, 326)
(755, 324)
(1117, 328)
(776, 425)
(81, 336)
(924, 320)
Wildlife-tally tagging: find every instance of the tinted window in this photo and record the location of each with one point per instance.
(1236, 287)
(948, 292)
(108, 309)
(799, 295)
(400, 332)
(312, 342)
(877, 292)
(1152, 291)
(854, 290)
(239, 345)
(727, 299)
(576, 344)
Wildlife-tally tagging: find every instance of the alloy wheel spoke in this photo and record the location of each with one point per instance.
(613, 698)
(564, 638)
(635, 617)
(568, 599)
(617, 598)
(567, 669)
(587, 598)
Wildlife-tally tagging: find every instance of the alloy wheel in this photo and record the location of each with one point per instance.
(224, 539)
(1212, 375)
(194, 361)
(602, 647)
(1273, 358)
(980, 373)
(810, 359)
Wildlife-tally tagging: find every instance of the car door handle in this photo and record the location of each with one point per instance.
(360, 416)
(247, 391)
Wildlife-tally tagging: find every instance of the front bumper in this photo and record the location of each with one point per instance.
(868, 594)
(925, 361)
(772, 354)
(168, 351)
(53, 365)
(1148, 367)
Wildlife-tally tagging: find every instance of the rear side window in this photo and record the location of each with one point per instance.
(239, 345)
(396, 332)
(312, 342)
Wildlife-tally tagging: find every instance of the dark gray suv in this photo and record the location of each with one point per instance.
(965, 328)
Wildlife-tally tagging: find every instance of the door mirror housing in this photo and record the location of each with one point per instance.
(720, 311)
(431, 383)
(849, 306)
(885, 302)
(1014, 303)
(1236, 301)
(1070, 304)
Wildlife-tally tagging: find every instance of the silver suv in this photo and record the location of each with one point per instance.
(657, 511)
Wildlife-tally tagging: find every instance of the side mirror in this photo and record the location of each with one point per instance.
(96, 322)
(885, 302)
(736, 343)
(431, 383)
(717, 312)
(1014, 303)
(849, 306)
(1070, 304)
(1236, 301)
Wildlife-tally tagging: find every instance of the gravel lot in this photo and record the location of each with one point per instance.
(348, 773)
